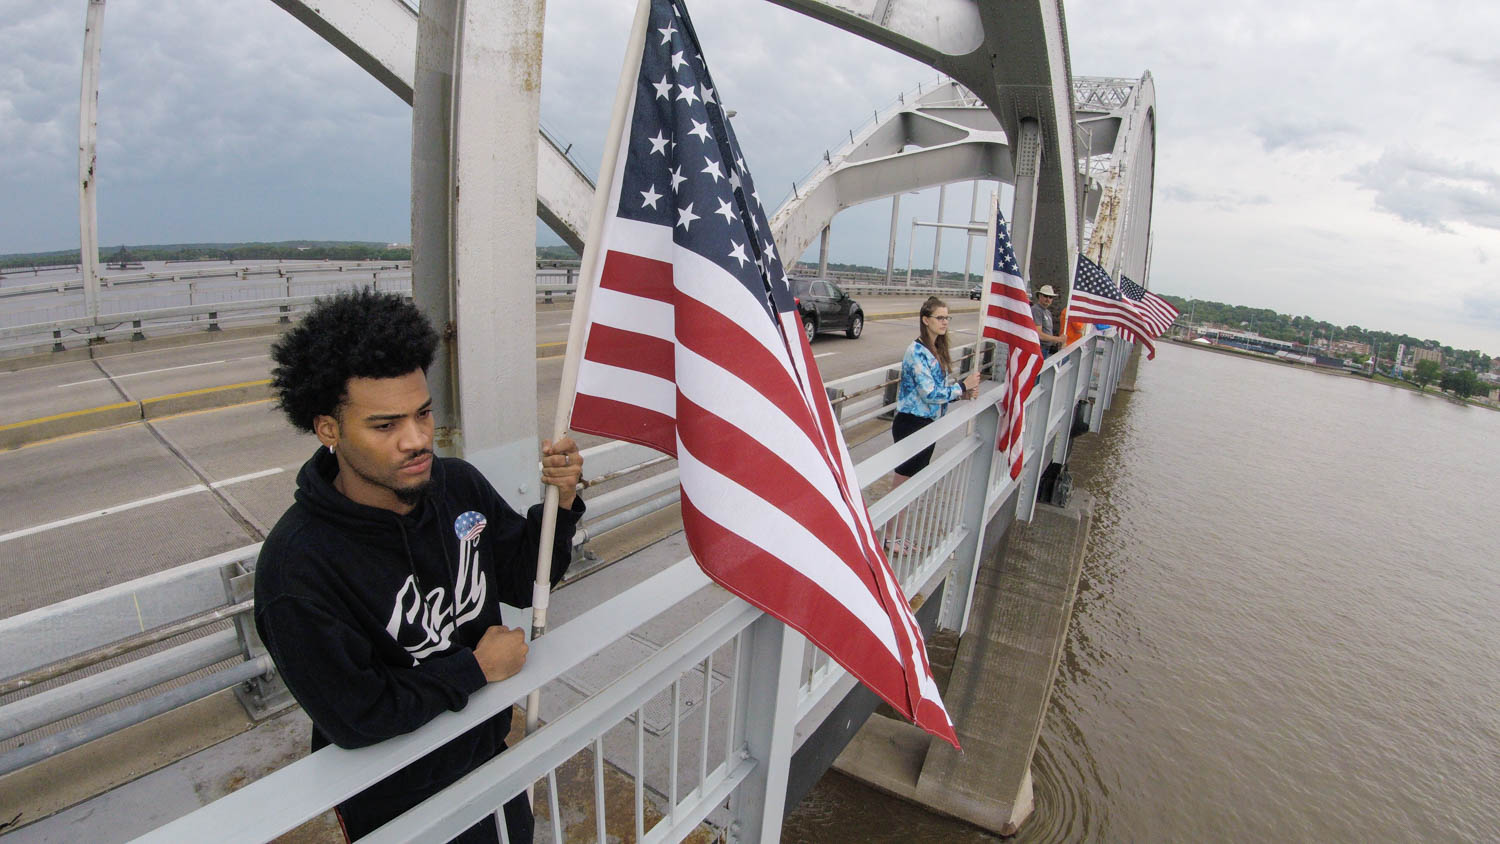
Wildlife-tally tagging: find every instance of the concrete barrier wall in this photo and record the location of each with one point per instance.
(18, 434)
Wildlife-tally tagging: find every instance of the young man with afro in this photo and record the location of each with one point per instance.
(378, 591)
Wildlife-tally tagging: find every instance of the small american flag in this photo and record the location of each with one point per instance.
(1007, 319)
(1158, 312)
(1096, 299)
(694, 348)
(469, 526)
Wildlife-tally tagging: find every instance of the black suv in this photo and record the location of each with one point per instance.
(824, 307)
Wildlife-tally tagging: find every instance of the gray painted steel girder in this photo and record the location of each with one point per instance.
(1013, 56)
(381, 37)
(1121, 114)
(956, 138)
(947, 135)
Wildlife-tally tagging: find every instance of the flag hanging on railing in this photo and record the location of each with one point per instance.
(695, 348)
(1095, 298)
(1158, 312)
(1007, 319)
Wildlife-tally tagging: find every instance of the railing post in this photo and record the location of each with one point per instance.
(892, 387)
(954, 614)
(1098, 378)
(770, 662)
(836, 400)
(266, 694)
(1035, 436)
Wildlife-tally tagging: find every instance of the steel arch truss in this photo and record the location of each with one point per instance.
(381, 37)
(943, 135)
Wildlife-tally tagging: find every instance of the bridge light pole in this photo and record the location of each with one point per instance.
(88, 143)
(937, 234)
(890, 249)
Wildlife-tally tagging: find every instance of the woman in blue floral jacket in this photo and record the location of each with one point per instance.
(926, 389)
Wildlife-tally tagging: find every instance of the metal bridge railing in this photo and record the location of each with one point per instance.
(699, 730)
(211, 299)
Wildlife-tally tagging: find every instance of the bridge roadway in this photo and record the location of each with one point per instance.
(94, 509)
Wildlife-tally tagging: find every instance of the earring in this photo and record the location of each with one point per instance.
(330, 449)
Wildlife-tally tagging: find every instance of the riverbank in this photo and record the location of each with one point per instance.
(1323, 370)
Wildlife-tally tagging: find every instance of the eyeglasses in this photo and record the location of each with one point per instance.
(941, 318)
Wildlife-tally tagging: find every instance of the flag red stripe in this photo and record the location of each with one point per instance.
(737, 455)
(631, 350)
(745, 569)
(638, 276)
(621, 421)
(826, 421)
(709, 334)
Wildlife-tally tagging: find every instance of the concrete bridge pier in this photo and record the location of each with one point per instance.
(1001, 682)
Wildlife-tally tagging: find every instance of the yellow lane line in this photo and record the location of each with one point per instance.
(540, 347)
(208, 390)
(67, 415)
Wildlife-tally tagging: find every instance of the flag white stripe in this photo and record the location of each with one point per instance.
(753, 519)
(627, 386)
(639, 314)
(645, 240)
(1015, 306)
(697, 277)
(1025, 331)
(722, 393)
(926, 686)
(792, 325)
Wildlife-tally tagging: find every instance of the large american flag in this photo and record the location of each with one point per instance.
(1007, 319)
(1096, 299)
(1158, 312)
(694, 348)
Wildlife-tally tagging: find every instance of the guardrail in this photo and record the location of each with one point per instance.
(757, 679)
(213, 297)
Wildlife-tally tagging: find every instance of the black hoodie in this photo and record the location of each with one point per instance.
(371, 616)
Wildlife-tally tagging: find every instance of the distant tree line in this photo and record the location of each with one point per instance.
(1300, 329)
(335, 250)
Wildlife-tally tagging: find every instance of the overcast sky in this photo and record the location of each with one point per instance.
(1336, 160)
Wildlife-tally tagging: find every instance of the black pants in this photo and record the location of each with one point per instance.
(362, 817)
(903, 426)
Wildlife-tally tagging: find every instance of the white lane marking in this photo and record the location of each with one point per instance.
(166, 369)
(147, 372)
(131, 505)
(825, 354)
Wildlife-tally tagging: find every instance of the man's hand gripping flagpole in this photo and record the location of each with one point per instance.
(541, 594)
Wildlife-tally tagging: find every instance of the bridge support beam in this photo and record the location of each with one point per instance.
(1023, 212)
(88, 142)
(890, 249)
(823, 252)
(495, 105)
(770, 659)
(431, 192)
(937, 233)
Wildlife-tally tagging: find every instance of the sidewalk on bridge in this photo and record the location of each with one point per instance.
(1000, 686)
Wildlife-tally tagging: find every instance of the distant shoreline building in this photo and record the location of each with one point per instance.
(1350, 348)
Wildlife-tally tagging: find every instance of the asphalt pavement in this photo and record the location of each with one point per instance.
(98, 507)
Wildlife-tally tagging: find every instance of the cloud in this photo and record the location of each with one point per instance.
(1482, 306)
(1488, 66)
(1222, 200)
(1300, 133)
(1430, 191)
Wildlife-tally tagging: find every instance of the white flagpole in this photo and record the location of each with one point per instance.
(541, 592)
(984, 291)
